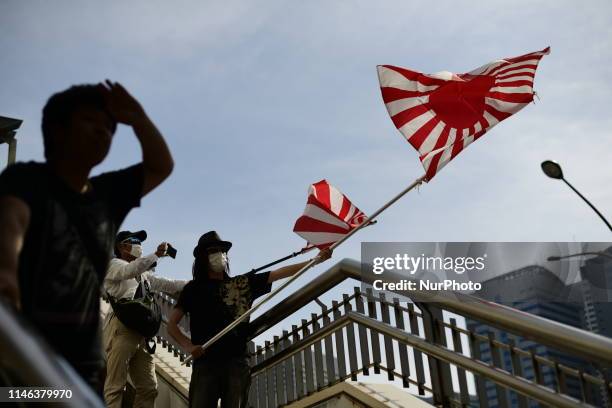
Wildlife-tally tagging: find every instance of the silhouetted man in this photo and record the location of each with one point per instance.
(58, 225)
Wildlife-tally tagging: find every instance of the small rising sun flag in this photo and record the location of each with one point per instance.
(441, 114)
(329, 215)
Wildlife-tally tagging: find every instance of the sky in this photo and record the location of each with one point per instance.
(257, 100)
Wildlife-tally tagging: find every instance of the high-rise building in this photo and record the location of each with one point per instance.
(596, 275)
(596, 285)
(535, 290)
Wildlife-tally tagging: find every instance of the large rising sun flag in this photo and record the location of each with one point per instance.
(441, 114)
(329, 215)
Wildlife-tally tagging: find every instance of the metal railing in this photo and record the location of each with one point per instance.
(362, 349)
(424, 349)
(530, 326)
(26, 361)
(525, 387)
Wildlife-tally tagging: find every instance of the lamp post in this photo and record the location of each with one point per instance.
(553, 170)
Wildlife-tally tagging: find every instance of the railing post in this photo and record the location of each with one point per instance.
(389, 355)
(270, 378)
(329, 349)
(418, 356)
(289, 370)
(363, 335)
(253, 388)
(502, 395)
(308, 366)
(441, 380)
(374, 337)
(339, 337)
(458, 348)
(517, 370)
(262, 400)
(584, 391)
(280, 374)
(319, 369)
(403, 350)
(350, 337)
(299, 366)
(481, 389)
(607, 391)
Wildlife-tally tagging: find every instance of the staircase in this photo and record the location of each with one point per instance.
(424, 348)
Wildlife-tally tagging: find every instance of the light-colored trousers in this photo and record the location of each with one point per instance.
(126, 353)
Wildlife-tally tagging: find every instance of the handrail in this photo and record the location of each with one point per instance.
(558, 335)
(23, 351)
(520, 385)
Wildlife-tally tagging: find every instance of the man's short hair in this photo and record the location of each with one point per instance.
(61, 106)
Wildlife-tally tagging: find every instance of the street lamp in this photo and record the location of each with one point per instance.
(553, 170)
(558, 258)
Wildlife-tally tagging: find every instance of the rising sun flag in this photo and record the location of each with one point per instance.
(329, 215)
(441, 114)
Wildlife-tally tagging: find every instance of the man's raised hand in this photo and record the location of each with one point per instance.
(122, 106)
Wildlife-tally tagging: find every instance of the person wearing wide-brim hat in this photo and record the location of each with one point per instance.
(211, 240)
(130, 275)
(214, 299)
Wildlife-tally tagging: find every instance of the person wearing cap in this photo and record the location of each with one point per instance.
(214, 299)
(126, 350)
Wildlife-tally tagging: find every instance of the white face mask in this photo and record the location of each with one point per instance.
(218, 262)
(136, 250)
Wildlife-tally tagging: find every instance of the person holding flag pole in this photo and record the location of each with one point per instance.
(213, 299)
(328, 220)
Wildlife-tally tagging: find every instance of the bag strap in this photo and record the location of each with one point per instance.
(149, 343)
(144, 288)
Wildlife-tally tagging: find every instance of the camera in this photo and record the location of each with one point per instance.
(171, 251)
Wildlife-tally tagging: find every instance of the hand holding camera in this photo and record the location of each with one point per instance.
(165, 249)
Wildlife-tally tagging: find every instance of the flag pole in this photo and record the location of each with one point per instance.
(309, 265)
(292, 255)
(304, 250)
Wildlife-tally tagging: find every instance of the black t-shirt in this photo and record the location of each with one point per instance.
(212, 305)
(65, 253)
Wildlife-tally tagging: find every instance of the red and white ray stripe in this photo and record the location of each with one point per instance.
(329, 215)
(441, 114)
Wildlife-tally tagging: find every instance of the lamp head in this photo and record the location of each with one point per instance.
(552, 169)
